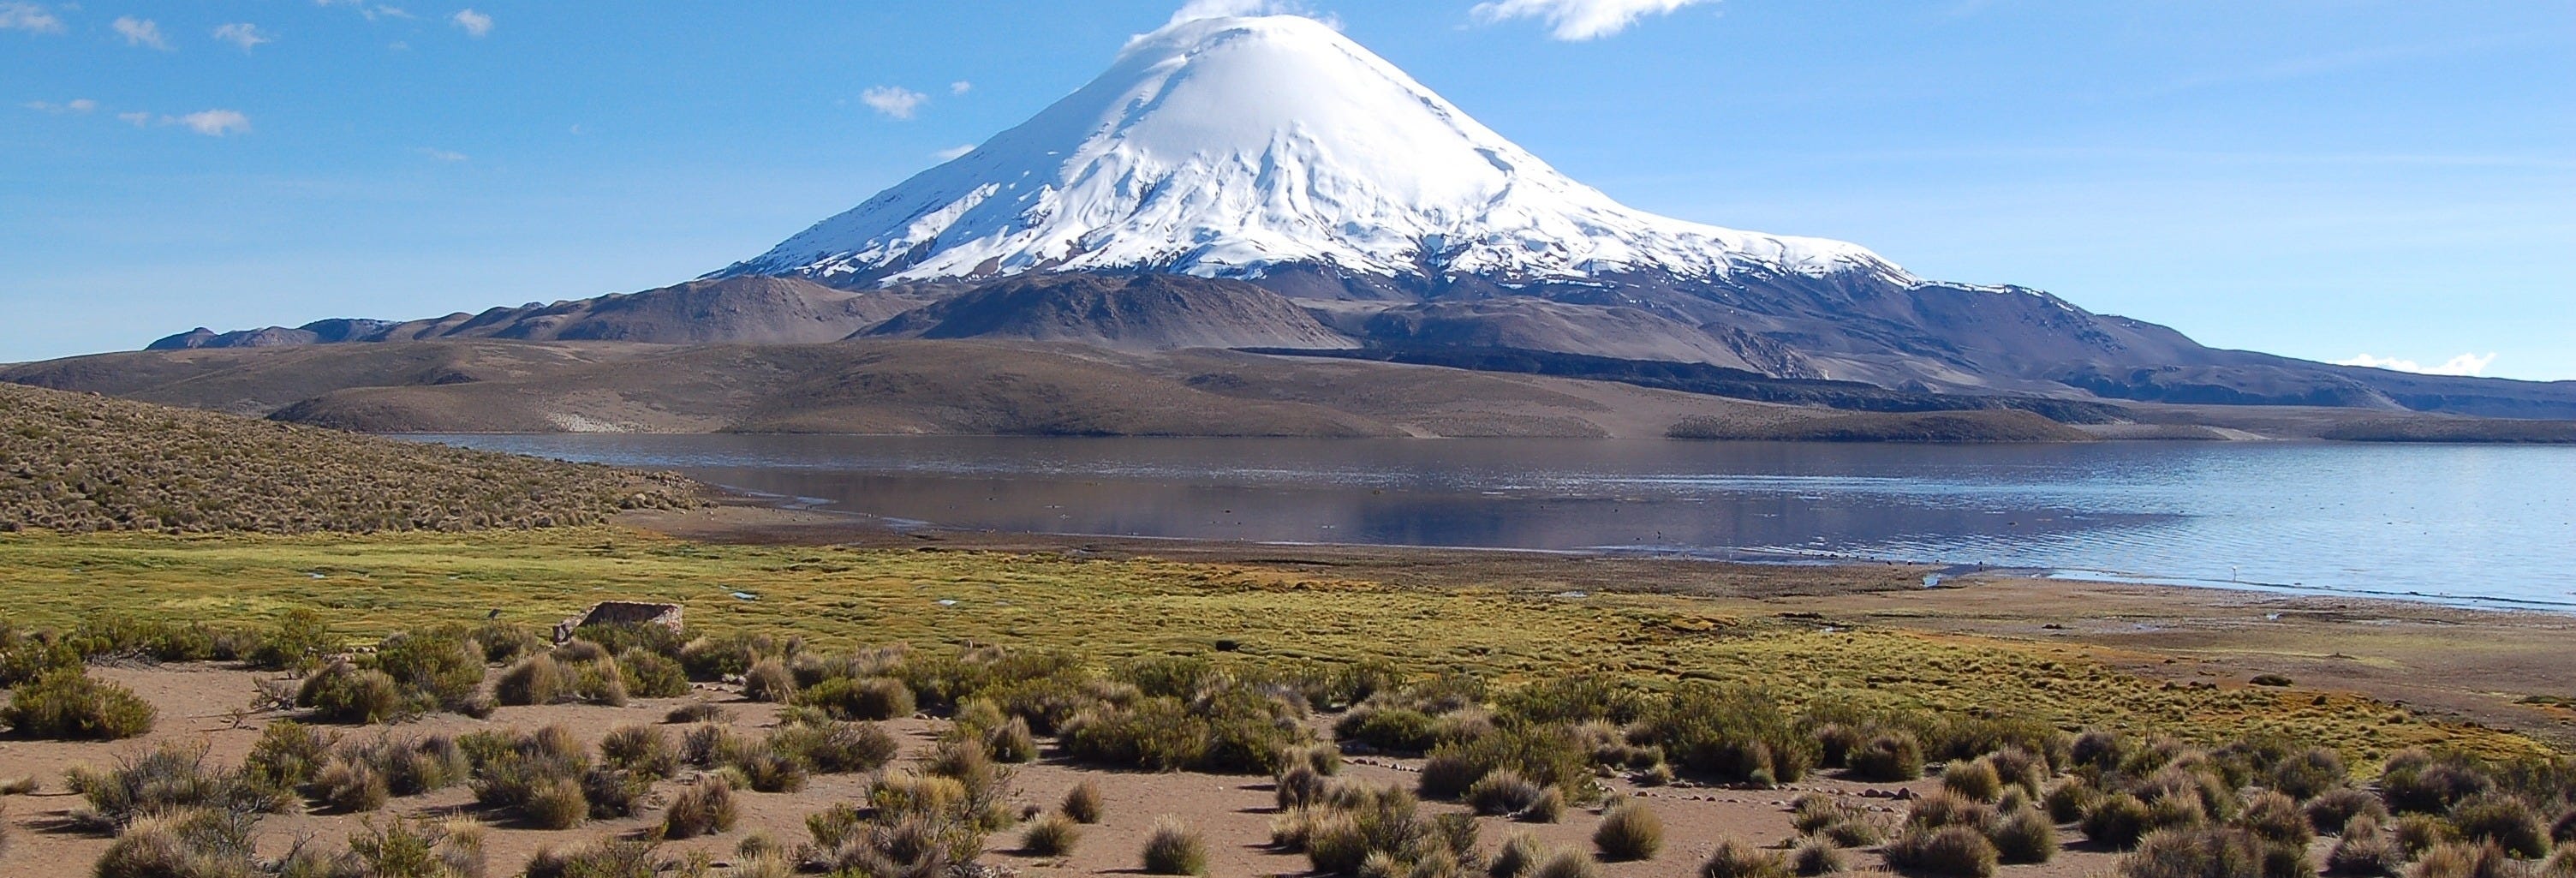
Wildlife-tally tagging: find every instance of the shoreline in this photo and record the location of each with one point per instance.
(2479, 665)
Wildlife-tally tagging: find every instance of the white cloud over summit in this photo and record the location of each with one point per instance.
(2465, 364)
(1577, 20)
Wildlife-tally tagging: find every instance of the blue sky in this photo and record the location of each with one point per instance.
(2318, 179)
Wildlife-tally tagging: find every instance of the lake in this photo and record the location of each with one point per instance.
(2471, 525)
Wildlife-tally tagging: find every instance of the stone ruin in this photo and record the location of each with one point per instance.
(621, 613)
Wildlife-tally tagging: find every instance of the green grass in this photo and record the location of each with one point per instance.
(1108, 610)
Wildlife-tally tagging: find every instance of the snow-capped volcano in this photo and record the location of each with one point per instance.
(1228, 147)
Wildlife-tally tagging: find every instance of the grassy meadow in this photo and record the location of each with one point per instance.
(1107, 610)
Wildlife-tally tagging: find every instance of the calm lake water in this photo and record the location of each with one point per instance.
(2493, 526)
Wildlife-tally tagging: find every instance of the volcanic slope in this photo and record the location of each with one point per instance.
(79, 463)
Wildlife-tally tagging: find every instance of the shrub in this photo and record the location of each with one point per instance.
(605, 858)
(698, 712)
(1053, 835)
(704, 809)
(836, 747)
(1629, 831)
(874, 699)
(2464, 861)
(1175, 849)
(2273, 817)
(768, 680)
(344, 693)
(639, 749)
(504, 642)
(2026, 836)
(1390, 729)
(410, 849)
(769, 771)
(301, 640)
(1082, 803)
(1894, 757)
(1158, 734)
(651, 674)
(2329, 813)
(1974, 780)
(2118, 821)
(2366, 849)
(168, 778)
(65, 704)
(1548, 757)
(2418, 833)
(1729, 732)
(1835, 743)
(2099, 750)
(287, 755)
(436, 669)
(1735, 859)
(1952, 850)
(1297, 787)
(1502, 792)
(2070, 799)
(2505, 821)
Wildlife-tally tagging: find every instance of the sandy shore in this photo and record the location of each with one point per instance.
(2479, 666)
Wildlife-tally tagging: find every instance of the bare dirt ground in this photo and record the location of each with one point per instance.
(2477, 665)
(199, 703)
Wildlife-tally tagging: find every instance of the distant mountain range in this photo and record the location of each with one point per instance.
(1267, 183)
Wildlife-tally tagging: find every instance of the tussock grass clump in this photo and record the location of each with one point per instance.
(345, 693)
(1952, 850)
(698, 712)
(2025, 836)
(1567, 864)
(1502, 793)
(2418, 833)
(639, 749)
(1939, 810)
(2309, 773)
(2504, 821)
(2418, 782)
(352, 787)
(835, 747)
(2274, 817)
(1176, 851)
(2210, 852)
(1053, 835)
(1735, 859)
(1629, 831)
(1893, 757)
(66, 704)
(555, 803)
(605, 858)
(768, 680)
(2366, 849)
(535, 775)
(650, 674)
(1519, 856)
(706, 808)
(2564, 831)
(182, 843)
(1814, 856)
(1549, 808)
(2561, 864)
(1082, 803)
(2330, 812)
(26, 785)
(1013, 742)
(1975, 780)
(2465, 861)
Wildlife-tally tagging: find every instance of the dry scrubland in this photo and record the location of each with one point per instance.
(889, 712)
(77, 463)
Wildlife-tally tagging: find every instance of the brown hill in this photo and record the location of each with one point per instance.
(748, 310)
(1969, 426)
(77, 462)
(1146, 312)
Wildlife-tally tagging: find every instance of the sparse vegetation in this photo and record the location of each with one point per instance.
(1629, 831)
(1082, 803)
(1053, 835)
(1175, 849)
(706, 808)
(1735, 859)
(79, 463)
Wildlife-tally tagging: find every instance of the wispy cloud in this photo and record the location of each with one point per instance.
(441, 154)
(1198, 9)
(372, 11)
(244, 35)
(476, 24)
(137, 119)
(141, 32)
(1577, 20)
(2464, 364)
(75, 105)
(954, 153)
(894, 101)
(29, 17)
(960, 87)
(212, 123)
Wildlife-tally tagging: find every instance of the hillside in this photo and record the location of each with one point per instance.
(1146, 312)
(79, 463)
